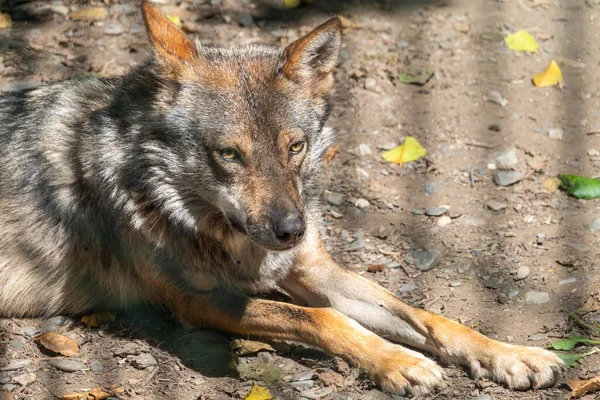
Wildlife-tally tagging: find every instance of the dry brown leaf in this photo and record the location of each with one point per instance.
(376, 268)
(5, 21)
(242, 347)
(58, 343)
(589, 306)
(96, 320)
(94, 394)
(584, 386)
(347, 23)
(330, 378)
(331, 152)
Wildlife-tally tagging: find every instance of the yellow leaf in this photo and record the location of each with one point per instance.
(331, 152)
(96, 320)
(258, 393)
(521, 41)
(410, 150)
(242, 347)
(291, 3)
(551, 184)
(58, 343)
(175, 19)
(95, 394)
(5, 20)
(550, 77)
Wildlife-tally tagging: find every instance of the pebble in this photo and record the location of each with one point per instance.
(567, 281)
(430, 188)
(246, 20)
(513, 293)
(362, 203)
(537, 337)
(443, 221)
(316, 393)
(507, 158)
(60, 9)
(67, 365)
(482, 397)
(496, 205)
(370, 84)
(29, 330)
(455, 284)
(595, 225)
(507, 178)
(302, 385)
(495, 97)
(363, 150)
(491, 283)
(25, 379)
(522, 272)
(304, 375)
(114, 29)
(143, 361)
(424, 259)
(333, 198)
(362, 173)
(265, 357)
(593, 153)
(436, 211)
(406, 287)
(16, 364)
(417, 211)
(555, 133)
(4, 379)
(52, 324)
(492, 166)
(96, 366)
(387, 146)
(534, 297)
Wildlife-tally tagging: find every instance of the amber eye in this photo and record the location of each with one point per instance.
(297, 147)
(228, 154)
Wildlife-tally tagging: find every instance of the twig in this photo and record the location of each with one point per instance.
(579, 321)
(593, 133)
(482, 145)
(149, 378)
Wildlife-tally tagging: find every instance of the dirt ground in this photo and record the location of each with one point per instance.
(502, 249)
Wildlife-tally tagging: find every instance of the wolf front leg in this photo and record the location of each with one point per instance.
(318, 281)
(396, 369)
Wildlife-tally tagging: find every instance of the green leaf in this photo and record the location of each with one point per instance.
(580, 187)
(521, 41)
(570, 343)
(571, 359)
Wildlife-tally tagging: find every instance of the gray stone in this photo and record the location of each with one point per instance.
(16, 344)
(29, 330)
(555, 133)
(392, 264)
(375, 395)
(67, 365)
(16, 364)
(567, 281)
(495, 97)
(4, 379)
(537, 337)
(507, 178)
(363, 150)
(52, 324)
(406, 287)
(595, 225)
(114, 29)
(387, 146)
(522, 272)
(302, 385)
(430, 188)
(370, 84)
(492, 283)
(265, 357)
(25, 379)
(495, 205)
(436, 211)
(506, 158)
(535, 297)
(417, 211)
(362, 203)
(424, 259)
(96, 366)
(333, 198)
(455, 284)
(513, 293)
(9, 387)
(482, 397)
(316, 393)
(143, 360)
(246, 20)
(304, 375)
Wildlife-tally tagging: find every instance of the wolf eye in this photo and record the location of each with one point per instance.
(228, 154)
(297, 147)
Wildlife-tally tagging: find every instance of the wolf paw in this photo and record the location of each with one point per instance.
(518, 367)
(405, 372)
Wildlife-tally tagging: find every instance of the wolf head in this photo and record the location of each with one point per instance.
(246, 126)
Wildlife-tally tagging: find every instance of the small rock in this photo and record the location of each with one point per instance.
(537, 337)
(443, 221)
(25, 379)
(424, 259)
(507, 158)
(265, 357)
(304, 375)
(336, 214)
(96, 366)
(567, 281)
(302, 385)
(4, 379)
(128, 349)
(534, 297)
(29, 331)
(595, 225)
(316, 393)
(9, 387)
(496, 205)
(363, 150)
(495, 97)
(417, 211)
(362, 173)
(52, 324)
(370, 84)
(482, 397)
(16, 364)
(593, 153)
(333, 198)
(455, 284)
(143, 361)
(114, 29)
(362, 203)
(406, 287)
(491, 283)
(513, 293)
(492, 166)
(246, 20)
(436, 211)
(60, 9)
(522, 272)
(555, 133)
(430, 188)
(507, 178)
(67, 365)
(387, 146)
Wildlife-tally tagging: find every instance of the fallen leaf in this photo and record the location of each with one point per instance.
(589, 306)
(330, 378)
(58, 343)
(571, 359)
(521, 41)
(5, 21)
(416, 77)
(551, 76)
(331, 152)
(259, 371)
(291, 3)
(95, 394)
(89, 14)
(570, 343)
(376, 268)
(348, 23)
(551, 184)
(96, 320)
(241, 347)
(462, 27)
(582, 387)
(175, 19)
(258, 393)
(410, 150)
(581, 187)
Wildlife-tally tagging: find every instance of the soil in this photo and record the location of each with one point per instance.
(455, 116)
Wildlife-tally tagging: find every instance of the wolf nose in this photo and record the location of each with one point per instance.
(289, 227)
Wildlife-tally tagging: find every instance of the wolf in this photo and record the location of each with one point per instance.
(192, 183)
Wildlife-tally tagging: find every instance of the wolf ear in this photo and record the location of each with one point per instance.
(310, 60)
(169, 42)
